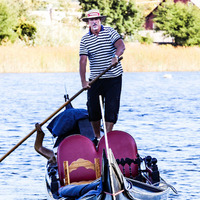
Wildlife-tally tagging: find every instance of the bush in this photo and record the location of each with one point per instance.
(145, 39)
(26, 31)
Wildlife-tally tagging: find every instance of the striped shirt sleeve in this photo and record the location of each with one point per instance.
(83, 50)
(114, 35)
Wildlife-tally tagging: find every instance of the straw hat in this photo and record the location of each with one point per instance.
(94, 13)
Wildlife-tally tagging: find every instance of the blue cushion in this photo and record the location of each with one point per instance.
(66, 121)
(77, 191)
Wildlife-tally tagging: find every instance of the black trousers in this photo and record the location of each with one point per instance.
(110, 90)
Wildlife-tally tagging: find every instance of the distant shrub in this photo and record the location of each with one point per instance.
(26, 31)
(145, 39)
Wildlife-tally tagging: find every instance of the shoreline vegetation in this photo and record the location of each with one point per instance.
(18, 58)
(56, 49)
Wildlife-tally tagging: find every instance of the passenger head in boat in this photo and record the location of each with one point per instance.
(102, 45)
(47, 153)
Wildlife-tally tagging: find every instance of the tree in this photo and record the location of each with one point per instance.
(179, 21)
(15, 22)
(122, 15)
(8, 21)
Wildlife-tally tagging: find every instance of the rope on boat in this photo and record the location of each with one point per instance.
(114, 194)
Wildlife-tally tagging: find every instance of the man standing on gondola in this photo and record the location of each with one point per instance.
(102, 46)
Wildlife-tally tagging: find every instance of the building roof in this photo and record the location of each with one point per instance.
(154, 9)
(196, 2)
(148, 5)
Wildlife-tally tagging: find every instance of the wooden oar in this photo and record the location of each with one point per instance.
(65, 104)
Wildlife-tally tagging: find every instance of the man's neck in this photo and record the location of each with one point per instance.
(96, 32)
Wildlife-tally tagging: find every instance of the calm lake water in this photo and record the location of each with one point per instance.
(162, 114)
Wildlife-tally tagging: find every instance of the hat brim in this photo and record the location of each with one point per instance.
(85, 19)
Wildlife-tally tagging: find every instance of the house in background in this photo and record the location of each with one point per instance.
(149, 24)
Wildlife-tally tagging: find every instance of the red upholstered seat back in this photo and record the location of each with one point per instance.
(77, 146)
(71, 149)
(123, 146)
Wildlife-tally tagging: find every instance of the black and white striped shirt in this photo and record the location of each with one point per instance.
(100, 50)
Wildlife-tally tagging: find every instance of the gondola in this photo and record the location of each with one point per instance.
(87, 170)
